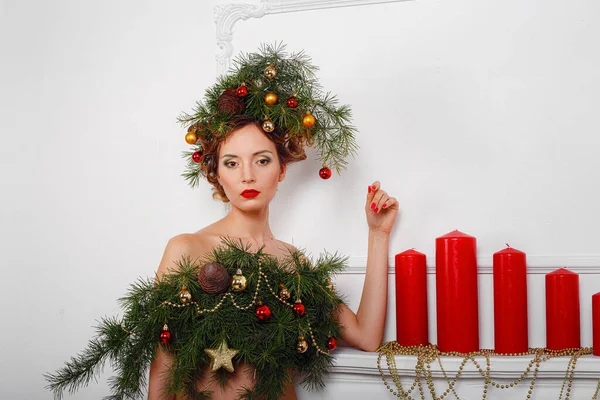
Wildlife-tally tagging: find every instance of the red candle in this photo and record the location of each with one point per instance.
(596, 323)
(510, 301)
(411, 298)
(562, 310)
(456, 291)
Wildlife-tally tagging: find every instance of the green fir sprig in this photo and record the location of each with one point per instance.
(130, 343)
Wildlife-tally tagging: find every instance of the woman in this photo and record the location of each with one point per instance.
(248, 172)
(243, 139)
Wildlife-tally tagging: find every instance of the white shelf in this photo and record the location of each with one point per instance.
(353, 361)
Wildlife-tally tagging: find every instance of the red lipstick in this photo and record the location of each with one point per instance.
(250, 193)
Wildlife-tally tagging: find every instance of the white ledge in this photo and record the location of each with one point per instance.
(353, 361)
(536, 264)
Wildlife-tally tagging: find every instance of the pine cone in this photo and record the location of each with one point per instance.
(213, 278)
(230, 103)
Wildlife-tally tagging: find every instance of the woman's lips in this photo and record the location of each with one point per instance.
(250, 193)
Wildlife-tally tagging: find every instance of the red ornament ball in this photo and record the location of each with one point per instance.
(299, 308)
(165, 336)
(196, 156)
(263, 312)
(331, 343)
(325, 173)
(292, 102)
(242, 91)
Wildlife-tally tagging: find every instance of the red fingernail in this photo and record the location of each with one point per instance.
(376, 210)
(373, 187)
(384, 205)
(373, 206)
(369, 189)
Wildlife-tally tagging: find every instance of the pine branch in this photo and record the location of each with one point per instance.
(83, 368)
(270, 347)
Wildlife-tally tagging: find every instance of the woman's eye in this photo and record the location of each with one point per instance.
(264, 161)
(230, 164)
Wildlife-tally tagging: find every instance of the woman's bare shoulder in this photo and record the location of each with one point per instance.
(194, 245)
(291, 249)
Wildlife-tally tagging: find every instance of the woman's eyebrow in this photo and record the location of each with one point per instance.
(255, 154)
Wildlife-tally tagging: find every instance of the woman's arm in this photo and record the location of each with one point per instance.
(364, 329)
(177, 247)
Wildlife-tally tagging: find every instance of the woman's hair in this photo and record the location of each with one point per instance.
(289, 149)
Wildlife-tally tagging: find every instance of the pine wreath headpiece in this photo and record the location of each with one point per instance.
(280, 91)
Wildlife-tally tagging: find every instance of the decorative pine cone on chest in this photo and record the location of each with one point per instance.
(213, 278)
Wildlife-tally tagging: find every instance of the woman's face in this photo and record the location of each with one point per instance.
(249, 168)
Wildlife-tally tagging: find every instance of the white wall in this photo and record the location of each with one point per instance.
(477, 115)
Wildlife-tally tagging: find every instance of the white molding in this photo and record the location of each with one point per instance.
(536, 264)
(350, 361)
(226, 16)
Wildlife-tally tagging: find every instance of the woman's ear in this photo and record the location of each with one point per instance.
(282, 172)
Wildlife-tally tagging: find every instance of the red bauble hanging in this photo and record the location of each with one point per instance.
(165, 335)
(325, 173)
(242, 90)
(292, 102)
(331, 343)
(197, 156)
(299, 308)
(263, 312)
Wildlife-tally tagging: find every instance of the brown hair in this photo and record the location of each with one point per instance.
(289, 150)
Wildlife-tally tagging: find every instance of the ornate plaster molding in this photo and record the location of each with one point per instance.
(226, 16)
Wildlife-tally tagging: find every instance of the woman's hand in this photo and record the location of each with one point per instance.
(381, 209)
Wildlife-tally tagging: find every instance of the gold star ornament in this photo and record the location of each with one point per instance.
(221, 357)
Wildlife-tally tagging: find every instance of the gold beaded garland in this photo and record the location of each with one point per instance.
(261, 276)
(427, 354)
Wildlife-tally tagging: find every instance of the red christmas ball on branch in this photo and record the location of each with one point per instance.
(263, 312)
(331, 343)
(299, 308)
(242, 91)
(325, 173)
(165, 335)
(292, 102)
(196, 156)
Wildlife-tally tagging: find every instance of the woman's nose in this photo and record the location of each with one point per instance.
(248, 174)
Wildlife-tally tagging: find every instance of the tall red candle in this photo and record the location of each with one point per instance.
(510, 301)
(456, 291)
(596, 323)
(562, 310)
(411, 298)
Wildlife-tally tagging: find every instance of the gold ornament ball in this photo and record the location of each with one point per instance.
(270, 72)
(238, 281)
(284, 293)
(191, 137)
(302, 345)
(271, 98)
(309, 120)
(268, 126)
(329, 285)
(184, 295)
